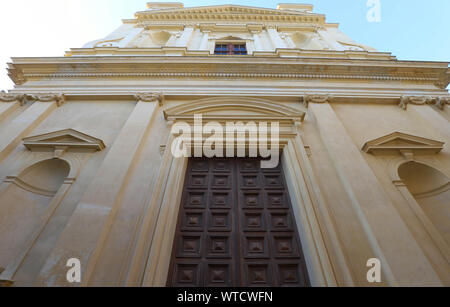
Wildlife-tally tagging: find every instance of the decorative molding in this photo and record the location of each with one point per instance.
(207, 27)
(58, 98)
(28, 187)
(150, 97)
(334, 97)
(416, 100)
(441, 102)
(162, 149)
(252, 75)
(25, 98)
(233, 13)
(307, 99)
(165, 27)
(404, 144)
(308, 151)
(268, 110)
(178, 62)
(108, 42)
(5, 97)
(438, 101)
(442, 189)
(255, 28)
(62, 141)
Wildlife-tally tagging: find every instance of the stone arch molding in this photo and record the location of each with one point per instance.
(396, 163)
(73, 161)
(262, 108)
(32, 186)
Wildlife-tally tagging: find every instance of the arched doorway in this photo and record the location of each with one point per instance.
(431, 190)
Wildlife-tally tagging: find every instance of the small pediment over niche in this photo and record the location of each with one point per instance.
(63, 139)
(401, 143)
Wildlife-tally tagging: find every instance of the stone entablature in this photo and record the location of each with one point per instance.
(27, 69)
(305, 98)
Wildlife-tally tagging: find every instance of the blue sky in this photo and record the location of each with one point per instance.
(410, 29)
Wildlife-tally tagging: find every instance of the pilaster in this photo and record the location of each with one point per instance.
(90, 223)
(28, 120)
(185, 37)
(431, 115)
(275, 37)
(205, 39)
(9, 103)
(403, 262)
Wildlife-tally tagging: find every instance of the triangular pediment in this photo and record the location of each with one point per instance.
(398, 142)
(68, 138)
(230, 12)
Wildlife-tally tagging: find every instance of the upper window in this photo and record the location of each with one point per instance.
(230, 49)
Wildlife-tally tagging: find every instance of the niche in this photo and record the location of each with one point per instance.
(431, 189)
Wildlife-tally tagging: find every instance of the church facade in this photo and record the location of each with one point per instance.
(89, 179)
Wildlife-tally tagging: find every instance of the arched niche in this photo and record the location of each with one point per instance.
(431, 189)
(45, 177)
(306, 41)
(161, 37)
(25, 203)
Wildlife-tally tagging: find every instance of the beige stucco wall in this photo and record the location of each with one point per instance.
(105, 119)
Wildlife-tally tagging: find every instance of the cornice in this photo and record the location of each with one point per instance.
(229, 13)
(230, 67)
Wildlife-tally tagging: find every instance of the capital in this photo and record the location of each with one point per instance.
(5, 97)
(150, 97)
(416, 100)
(60, 99)
(207, 27)
(441, 102)
(255, 28)
(307, 99)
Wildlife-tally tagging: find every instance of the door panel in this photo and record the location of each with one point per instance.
(236, 228)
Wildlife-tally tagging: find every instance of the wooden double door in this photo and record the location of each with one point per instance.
(236, 228)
